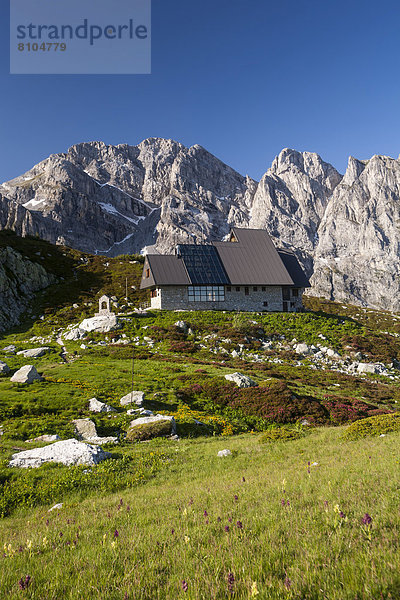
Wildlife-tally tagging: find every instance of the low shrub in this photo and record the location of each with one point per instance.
(183, 347)
(277, 403)
(148, 431)
(280, 434)
(345, 410)
(373, 426)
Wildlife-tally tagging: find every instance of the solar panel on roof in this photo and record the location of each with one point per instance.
(203, 264)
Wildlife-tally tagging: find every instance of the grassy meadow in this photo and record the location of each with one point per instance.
(271, 521)
(306, 506)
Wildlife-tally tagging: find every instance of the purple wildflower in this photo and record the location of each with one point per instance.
(367, 519)
(236, 498)
(287, 583)
(172, 531)
(185, 586)
(283, 501)
(239, 525)
(326, 503)
(116, 533)
(24, 582)
(47, 522)
(191, 501)
(227, 528)
(231, 581)
(243, 479)
(219, 519)
(128, 508)
(341, 514)
(207, 521)
(205, 513)
(230, 519)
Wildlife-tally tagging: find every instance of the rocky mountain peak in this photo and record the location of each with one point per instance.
(108, 199)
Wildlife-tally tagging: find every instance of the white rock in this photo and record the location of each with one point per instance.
(134, 397)
(367, 368)
(26, 374)
(74, 334)
(34, 352)
(303, 349)
(66, 452)
(242, 381)
(4, 368)
(45, 438)
(225, 452)
(85, 430)
(99, 407)
(332, 353)
(139, 411)
(154, 419)
(100, 324)
(56, 507)
(181, 325)
(10, 349)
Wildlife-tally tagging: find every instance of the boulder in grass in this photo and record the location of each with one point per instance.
(182, 326)
(134, 397)
(26, 374)
(4, 368)
(242, 381)
(10, 349)
(150, 428)
(100, 324)
(74, 334)
(303, 349)
(100, 407)
(223, 453)
(67, 452)
(85, 430)
(45, 439)
(140, 411)
(154, 419)
(34, 352)
(368, 368)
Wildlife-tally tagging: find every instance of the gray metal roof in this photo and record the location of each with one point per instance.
(165, 269)
(253, 259)
(294, 269)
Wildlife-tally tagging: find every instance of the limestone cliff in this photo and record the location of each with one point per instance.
(20, 278)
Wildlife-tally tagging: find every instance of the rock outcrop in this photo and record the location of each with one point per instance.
(85, 430)
(291, 199)
(134, 397)
(101, 324)
(26, 374)
(241, 380)
(67, 452)
(100, 407)
(358, 255)
(20, 278)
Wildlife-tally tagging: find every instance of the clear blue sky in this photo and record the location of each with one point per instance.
(243, 78)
